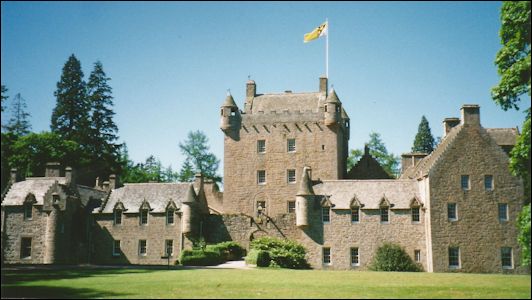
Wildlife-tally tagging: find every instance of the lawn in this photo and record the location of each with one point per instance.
(257, 283)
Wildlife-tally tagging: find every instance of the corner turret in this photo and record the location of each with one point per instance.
(186, 209)
(304, 196)
(333, 108)
(230, 116)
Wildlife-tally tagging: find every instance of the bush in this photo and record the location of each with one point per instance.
(228, 250)
(251, 257)
(200, 258)
(283, 253)
(263, 259)
(391, 257)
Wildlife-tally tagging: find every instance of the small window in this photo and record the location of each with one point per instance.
(222, 112)
(488, 182)
(143, 247)
(144, 217)
(326, 215)
(291, 174)
(291, 206)
(261, 146)
(454, 257)
(465, 182)
(417, 255)
(170, 216)
(503, 212)
(233, 112)
(415, 214)
(354, 257)
(25, 248)
(291, 145)
(261, 177)
(169, 247)
(28, 211)
(506, 258)
(326, 256)
(452, 212)
(355, 215)
(385, 214)
(116, 248)
(322, 147)
(55, 199)
(118, 217)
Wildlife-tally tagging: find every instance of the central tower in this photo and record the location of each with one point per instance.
(267, 145)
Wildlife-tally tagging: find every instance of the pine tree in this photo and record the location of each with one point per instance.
(196, 151)
(424, 141)
(377, 149)
(70, 118)
(186, 174)
(4, 96)
(19, 124)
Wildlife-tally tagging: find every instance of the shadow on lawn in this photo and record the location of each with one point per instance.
(14, 283)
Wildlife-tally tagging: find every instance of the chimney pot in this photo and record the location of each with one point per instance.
(448, 124)
(13, 177)
(52, 169)
(323, 85)
(470, 114)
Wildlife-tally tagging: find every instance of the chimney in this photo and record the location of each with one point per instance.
(470, 114)
(69, 176)
(106, 186)
(13, 177)
(323, 85)
(448, 124)
(97, 183)
(366, 150)
(198, 181)
(112, 181)
(251, 89)
(411, 160)
(52, 169)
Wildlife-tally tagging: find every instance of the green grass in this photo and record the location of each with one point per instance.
(257, 283)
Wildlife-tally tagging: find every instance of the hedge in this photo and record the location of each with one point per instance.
(391, 257)
(200, 258)
(283, 253)
(228, 250)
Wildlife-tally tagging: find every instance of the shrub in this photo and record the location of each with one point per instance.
(391, 257)
(251, 257)
(263, 259)
(200, 258)
(228, 250)
(283, 253)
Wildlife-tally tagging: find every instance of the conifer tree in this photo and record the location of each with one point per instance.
(4, 96)
(19, 124)
(424, 141)
(70, 117)
(197, 153)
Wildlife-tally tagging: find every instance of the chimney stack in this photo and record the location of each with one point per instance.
(470, 114)
(52, 169)
(251, 89)
(198, 181)
(105, 186)
(13, 176)
(112, 181)
(69, 176)
(448, 124)
(323, 85)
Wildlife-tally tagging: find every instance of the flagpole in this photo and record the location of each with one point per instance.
(327, 50)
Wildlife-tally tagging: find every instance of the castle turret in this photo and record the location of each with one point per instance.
(230, 117)
(333, 108)
(304, 197)
(186, 209)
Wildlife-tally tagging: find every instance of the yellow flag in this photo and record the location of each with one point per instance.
(316, 33)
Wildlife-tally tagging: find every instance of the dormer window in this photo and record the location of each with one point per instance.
(415, 214)
(28, 211)
(143, 217)
(118, 216)
(385, 211)
(170, 216)
(326, 215)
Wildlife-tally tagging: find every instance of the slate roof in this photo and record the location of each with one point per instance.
(286, 101)
(369, 192)
(158, 195)
(86, 193)
(503, 136)
(37, 185)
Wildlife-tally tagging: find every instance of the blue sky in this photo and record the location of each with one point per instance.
(172, 62)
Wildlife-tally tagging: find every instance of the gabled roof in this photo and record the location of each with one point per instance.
(158, 195)
(369, 193)
(38, 186)
(286, 101)
(503, 136)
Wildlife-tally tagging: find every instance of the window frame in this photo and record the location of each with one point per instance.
(510, 258)
(291, 179)
(357, 209)
(24, 248)
(328, 214)
(288, 146)
(457, 257)
(418, 214)
(462, 177)
(328, 256)
(115, 214)
(417, 255)
(492, 187)
(387, 209)
(356, 256)
(170, 212)
(166, 248)
(291, 209)
(141, 215)
(261, 147)
(115, 253)
(145, 253)
(28, 207)
(455, 210)
(259, 172)
(506, 216)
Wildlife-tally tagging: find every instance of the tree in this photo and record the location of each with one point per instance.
(196, 151)
(4, 96)
(19, 124)
(70, 117)
(186, 174)
(513, 59)
(513, 62)
(377, 149)
(424, 141)
(33, 151)
(102, 135)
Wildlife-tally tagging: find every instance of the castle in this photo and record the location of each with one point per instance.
(285, 175)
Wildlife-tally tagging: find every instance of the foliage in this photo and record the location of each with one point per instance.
(520, 156)
(284, 253)
(377, 149)
(513, 59)
(186, 174)
(19, 124)
(263, 259)
(391, 257)
(424, 141)
(196, 152)
(200, 258)
(4, 96)
(523, 223)
(149, 171)
(251, 256)
(228, 250)
(70, 117)
(30, 153)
